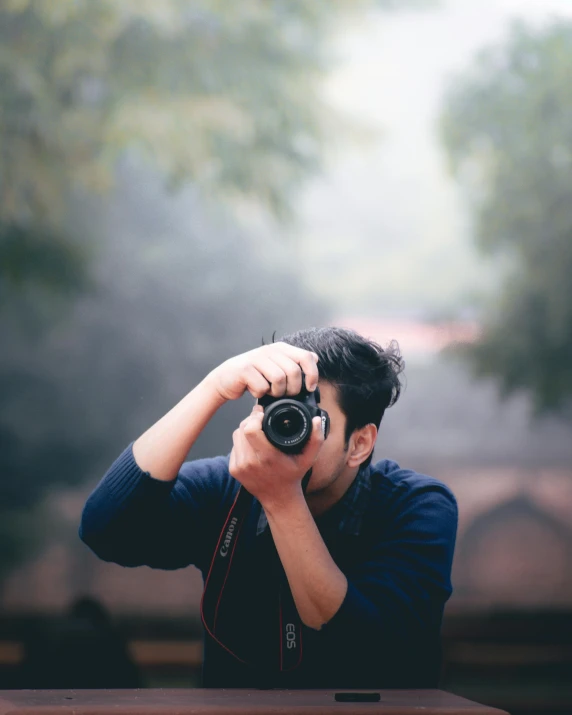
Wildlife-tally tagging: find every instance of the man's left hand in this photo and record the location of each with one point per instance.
(273, 477)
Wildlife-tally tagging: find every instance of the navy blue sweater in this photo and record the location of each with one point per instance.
(398, 565)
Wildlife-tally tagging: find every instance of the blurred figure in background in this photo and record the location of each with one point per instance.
(82, 650)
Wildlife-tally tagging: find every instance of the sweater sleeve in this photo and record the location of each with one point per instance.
(133, 519)
(396, 595)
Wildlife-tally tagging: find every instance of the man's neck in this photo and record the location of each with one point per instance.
(320, 502)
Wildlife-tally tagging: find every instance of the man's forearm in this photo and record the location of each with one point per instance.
(317, 584)
(162, 449)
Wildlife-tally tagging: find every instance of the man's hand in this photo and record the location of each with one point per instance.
(274, 369)
(273, 477)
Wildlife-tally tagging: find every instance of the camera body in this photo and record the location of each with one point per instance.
(287, 421)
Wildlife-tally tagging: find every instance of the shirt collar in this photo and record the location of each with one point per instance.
(347, 514)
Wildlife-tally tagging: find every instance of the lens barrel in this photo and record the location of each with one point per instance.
(287, 425)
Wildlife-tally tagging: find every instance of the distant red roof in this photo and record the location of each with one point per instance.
(413, 336)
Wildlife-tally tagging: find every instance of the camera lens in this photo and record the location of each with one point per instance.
(287, 422)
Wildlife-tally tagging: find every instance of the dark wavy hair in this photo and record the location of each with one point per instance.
(364, 375)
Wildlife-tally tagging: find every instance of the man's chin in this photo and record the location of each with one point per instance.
(312, 488)
(315, 488)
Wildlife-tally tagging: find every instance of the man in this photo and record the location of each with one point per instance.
(340, 585)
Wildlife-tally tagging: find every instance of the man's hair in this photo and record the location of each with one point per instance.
(364, 375)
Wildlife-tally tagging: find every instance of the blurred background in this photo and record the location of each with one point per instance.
(178, 180)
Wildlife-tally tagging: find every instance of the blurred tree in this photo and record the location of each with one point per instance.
(218, 94)
(214, 92)
(508, 134)
(221, 95)
(175, 289)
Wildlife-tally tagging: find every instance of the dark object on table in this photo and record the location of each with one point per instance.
(357, 697)
(80, 650)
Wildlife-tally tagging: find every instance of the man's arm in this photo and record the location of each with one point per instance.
(150, 508)
(272, 369)
(134, 520)
(399, 587)
(162, 449)
(275, 479)
(317, 584)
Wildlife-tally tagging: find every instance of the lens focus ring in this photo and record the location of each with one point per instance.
(287, 423)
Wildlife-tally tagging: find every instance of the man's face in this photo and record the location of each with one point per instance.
(331, 461)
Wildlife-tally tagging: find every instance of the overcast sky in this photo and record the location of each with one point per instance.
(387, 216)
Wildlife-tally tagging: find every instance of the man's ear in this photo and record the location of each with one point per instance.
(361, 444)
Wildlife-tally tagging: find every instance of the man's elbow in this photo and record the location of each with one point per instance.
(85, 534)
(89, 532)
(318, 619)
(101, 547)
(89, 538)
(316, 624)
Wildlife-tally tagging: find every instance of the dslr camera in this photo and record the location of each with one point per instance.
(287, 421)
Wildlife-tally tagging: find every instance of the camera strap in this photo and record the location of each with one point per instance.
(289, 623)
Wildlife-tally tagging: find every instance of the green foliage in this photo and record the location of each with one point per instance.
(40, 258)
(508, 133)
(222, 94)
(174, 290)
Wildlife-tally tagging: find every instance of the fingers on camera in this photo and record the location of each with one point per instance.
(258, 385)
(292, 373)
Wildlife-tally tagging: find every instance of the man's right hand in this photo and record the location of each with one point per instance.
(274, 369)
